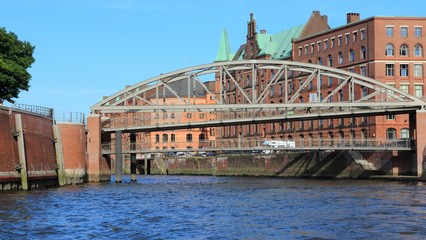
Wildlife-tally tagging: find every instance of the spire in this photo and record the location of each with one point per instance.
(224, 52)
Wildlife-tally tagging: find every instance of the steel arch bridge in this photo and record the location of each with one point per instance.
(333, 93)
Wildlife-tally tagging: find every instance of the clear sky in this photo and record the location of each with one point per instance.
(86, 49)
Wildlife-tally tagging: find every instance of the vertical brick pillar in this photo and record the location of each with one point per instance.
(94, 147)
(420, 138)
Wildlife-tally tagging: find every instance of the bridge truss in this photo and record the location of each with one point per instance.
(248, 92)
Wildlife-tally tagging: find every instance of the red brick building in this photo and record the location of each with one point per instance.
(388, 49)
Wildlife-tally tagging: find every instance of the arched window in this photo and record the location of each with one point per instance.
(165, 138)
(351, 55)
(403, 51)
(330, 61)
(405, 133)
(189, 137)
(172, 137)
(390, 134)
(201, 137)
(389, 50)
(320, 61)
(340, 58)
(418, 51)
(363, 52)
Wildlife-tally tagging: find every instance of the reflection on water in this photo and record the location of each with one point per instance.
(193, 207)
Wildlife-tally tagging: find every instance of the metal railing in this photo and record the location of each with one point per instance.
(242, 145)
(70, 117)
(43, 111)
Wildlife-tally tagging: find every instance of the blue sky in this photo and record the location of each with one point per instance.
(86, 49)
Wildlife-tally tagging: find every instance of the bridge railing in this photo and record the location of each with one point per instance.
(259, 145)
(169, 118)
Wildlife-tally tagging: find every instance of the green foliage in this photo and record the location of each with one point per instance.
(15, 58)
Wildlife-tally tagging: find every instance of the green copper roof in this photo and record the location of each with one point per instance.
(278, 45)
(224, 52)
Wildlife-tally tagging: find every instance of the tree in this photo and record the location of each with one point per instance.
(15, 58)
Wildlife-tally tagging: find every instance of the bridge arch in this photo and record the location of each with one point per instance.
(240, 77)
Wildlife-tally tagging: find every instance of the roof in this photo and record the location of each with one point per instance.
(278, 45)
(224, 52)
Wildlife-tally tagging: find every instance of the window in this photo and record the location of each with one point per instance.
(330, 61)
(364, 91)
(189, 137)
(340, 58)
(362, 34)
(363, 52)
(319, 46)
(330, 81)
(403, 71)
(188, 115)
(418, 31)
(405, 133)
(312, 48)
(391, 134)
(363, 70)
(319, 61)
(248, 81)
(418, 70)
(418, 91)
(339, 40)
(280, 90)
(389, 31)
(165, 138)
(418, 52)
(403, 50)
(332, 42)
(390, 70)
(389, 50)
(172, 137)
(351, 55)
(306, 50)
(272, 91)
(390, 117)
(325, 44)
(354, 36)
(404, 88)
(341, 96)
(300, 51)
(404, 31)
(201, 115)
(347, 40)
(157, 138)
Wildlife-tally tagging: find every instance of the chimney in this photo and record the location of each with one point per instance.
(352, 17)
(263, 31)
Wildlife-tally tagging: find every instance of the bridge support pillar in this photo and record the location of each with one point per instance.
(118, 157)
(133, 157)
(94, 148)
(419, 122)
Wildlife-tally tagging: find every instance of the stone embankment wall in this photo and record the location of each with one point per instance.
(335, 164)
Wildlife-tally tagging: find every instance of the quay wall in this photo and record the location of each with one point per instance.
(74, 152)
(333, 164)
(39, 150)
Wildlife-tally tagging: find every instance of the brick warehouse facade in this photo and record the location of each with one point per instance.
(388, 49)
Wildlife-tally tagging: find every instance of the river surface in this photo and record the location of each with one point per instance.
(206, 207)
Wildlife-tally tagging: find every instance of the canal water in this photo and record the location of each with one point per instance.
(196, 207)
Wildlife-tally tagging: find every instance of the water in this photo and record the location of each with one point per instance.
(193, 207)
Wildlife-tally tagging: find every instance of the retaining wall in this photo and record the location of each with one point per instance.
(334, 164)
